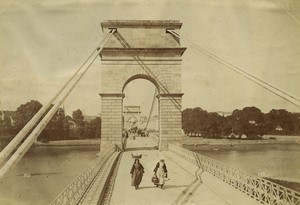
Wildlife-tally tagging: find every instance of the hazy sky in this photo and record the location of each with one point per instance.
(42, 43)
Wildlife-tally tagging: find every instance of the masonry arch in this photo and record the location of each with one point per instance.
(141, 76)
(141, 50)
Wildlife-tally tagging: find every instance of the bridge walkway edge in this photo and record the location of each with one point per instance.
(214, 186)
(178, 189)
(94, 195)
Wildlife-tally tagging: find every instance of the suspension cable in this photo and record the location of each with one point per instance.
(149, 72)
(20, 152)
(151, 109)
(240, 71)
(24, 131)
(288, 12)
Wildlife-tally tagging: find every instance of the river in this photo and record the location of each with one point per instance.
(51, 169)
(48, 170)
(278, 161)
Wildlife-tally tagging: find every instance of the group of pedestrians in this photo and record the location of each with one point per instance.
(159, 177)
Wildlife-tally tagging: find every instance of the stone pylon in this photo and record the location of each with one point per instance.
(141, 50)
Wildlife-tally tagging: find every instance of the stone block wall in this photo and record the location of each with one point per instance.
(170, 119)
(142, 50)
(111, 115)
(115, 76)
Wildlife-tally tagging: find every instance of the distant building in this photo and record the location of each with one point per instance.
(233, 136)
(243, 136)
(88, 118)
(71, 122)
(252, 122)
(278, 128)
(6, 117)
(12, 122)
(224, 114)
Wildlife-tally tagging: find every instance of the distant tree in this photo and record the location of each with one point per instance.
(289, 122)
(92, 129)
(200, 122)
(249, 121)
(25, 112)
(215, 123)
(78, 118)
(187, 122)
(57, 128)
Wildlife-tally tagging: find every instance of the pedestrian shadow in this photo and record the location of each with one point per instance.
(148, 187)
(175, 186)
(140, 148)
(165, 187)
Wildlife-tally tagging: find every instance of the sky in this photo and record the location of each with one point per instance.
(42, 43)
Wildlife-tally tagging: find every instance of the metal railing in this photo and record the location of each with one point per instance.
(74, 192)
(264, 191)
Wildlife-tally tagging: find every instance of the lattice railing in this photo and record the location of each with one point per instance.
(73, 193)
(264, 191)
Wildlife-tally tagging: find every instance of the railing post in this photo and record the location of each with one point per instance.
(260, 190)
(284, 196)
(271, 194)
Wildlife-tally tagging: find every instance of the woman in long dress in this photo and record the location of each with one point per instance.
(161, 173)
(136, 172)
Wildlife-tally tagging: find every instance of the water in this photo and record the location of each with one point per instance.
(51, 169)
(279, 161)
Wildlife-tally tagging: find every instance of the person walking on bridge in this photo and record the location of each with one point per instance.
(161, 172)
(136, 172)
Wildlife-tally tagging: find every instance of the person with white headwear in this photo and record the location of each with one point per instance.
(161, 172)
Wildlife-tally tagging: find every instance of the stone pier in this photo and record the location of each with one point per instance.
(141, 50)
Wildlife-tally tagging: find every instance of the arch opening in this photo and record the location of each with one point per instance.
(140, 119)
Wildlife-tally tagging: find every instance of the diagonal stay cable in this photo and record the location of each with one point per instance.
(241, 72)
(290, 14)
(151, 109)
(231, 65)
(25, 130)
(164, 89)
(148, 71)
(20, 152)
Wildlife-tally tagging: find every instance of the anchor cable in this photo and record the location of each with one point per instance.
(20, 152)
(240, 71)
(25, 130)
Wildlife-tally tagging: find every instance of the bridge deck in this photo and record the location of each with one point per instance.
(180, 174)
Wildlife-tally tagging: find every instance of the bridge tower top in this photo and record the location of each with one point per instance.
(138, 35)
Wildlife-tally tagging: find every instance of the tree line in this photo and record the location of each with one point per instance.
(60, 127)
(250, 122)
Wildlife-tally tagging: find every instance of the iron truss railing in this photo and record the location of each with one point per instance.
(76, 190)
(264, 191)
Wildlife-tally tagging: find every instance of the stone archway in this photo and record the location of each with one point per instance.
(141, 49)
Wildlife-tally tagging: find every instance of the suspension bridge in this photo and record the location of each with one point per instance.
(148, 50)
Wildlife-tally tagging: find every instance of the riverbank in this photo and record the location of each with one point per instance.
(69, 143)
(198, 143)
(277, 162)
